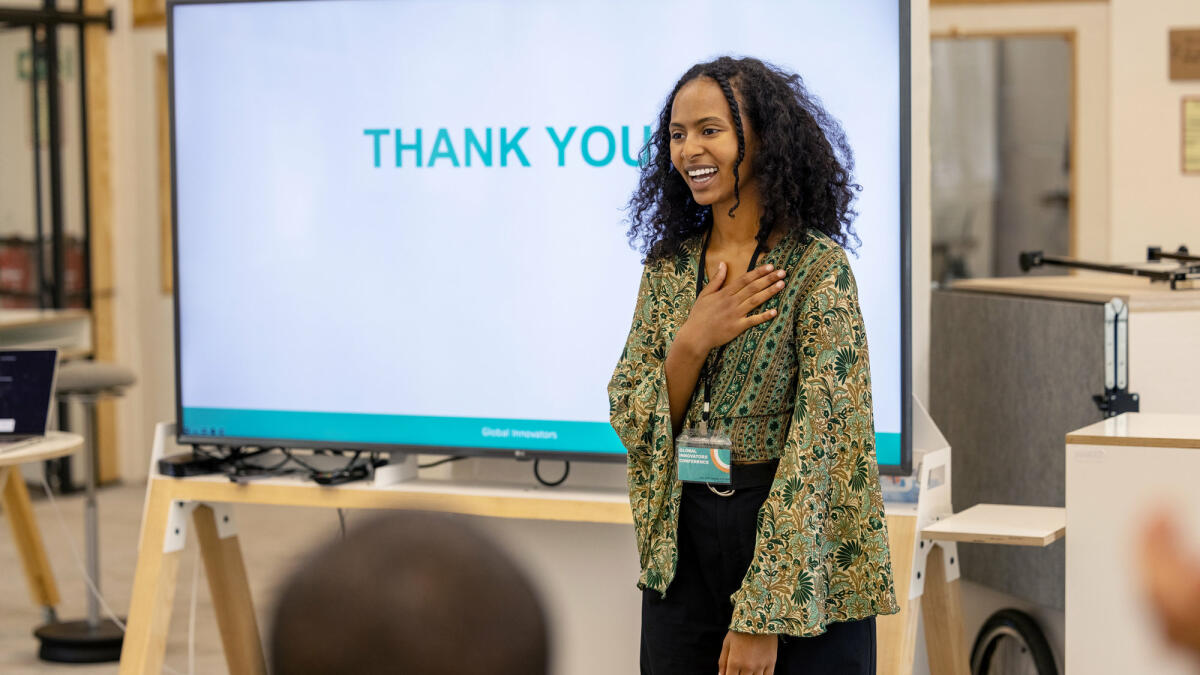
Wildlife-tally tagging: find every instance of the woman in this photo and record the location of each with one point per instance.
(748, 333)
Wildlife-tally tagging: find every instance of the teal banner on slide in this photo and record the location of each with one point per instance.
(450, 432)
(350, 428)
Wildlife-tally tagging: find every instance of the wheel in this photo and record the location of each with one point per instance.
(1010, 643)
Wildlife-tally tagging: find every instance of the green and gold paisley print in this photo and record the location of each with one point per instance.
(797, 388)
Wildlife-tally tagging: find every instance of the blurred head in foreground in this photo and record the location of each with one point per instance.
(409, 593)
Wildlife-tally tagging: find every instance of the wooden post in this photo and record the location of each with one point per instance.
(153, 588)
(942, 609)
(232, 602)
(100, 211)
(28, 539)
(897, 634)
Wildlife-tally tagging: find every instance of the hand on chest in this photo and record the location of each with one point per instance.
(741, 261)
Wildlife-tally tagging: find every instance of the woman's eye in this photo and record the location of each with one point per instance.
(710, 131)
(676, 135)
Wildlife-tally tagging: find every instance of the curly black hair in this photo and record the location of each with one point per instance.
(803, 163)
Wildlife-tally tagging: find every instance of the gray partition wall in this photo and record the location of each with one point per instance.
(1010, 376)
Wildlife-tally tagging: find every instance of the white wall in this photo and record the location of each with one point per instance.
(1153, 203)
(144, 322)
(922, 207)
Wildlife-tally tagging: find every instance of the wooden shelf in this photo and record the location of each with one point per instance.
(476, 498)
(1002, 524)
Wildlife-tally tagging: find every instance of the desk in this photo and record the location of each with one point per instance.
(207, 502)
(20, 513)
(1118, 470)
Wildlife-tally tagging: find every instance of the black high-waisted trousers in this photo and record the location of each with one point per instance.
(682, 633)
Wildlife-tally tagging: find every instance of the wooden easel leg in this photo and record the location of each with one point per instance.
(897, 634)
(230, 590)
(28, 540)
(944, 640)
(153, 588)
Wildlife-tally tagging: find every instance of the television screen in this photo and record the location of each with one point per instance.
(400, 225)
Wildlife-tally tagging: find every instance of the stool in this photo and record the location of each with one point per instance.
(91, 640)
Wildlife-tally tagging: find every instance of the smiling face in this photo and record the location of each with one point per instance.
(704, 144)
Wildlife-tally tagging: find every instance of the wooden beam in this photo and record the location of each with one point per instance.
(166, 256)
(149, 13)
(939, 3)
(945, 643)
(897, 633)
(232, 602)
(153, 589)
(101, 217)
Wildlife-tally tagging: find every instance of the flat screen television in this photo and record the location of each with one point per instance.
(399, 225)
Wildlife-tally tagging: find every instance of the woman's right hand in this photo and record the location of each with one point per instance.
(723, 310)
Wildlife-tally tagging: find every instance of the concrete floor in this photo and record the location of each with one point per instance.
(273, 539)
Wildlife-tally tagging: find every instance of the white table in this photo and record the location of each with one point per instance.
(1118, 470)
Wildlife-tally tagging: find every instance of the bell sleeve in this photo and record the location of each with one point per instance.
(821, 552)
(640, 412)
(639, 404)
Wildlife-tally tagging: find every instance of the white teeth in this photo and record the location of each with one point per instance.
(696, 173)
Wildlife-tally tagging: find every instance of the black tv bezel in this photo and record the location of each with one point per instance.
(904, 468)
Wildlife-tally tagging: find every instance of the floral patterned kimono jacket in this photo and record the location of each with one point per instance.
(796, 388)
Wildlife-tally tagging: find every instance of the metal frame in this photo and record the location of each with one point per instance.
(1173, 277)
(905, 467)
(43, 27)
(43, 34)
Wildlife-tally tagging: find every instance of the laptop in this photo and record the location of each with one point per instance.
(27, 379)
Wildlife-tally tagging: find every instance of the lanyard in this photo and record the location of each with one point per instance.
(711, 364)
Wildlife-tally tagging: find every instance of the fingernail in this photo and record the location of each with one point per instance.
(770, 267)
(778, 284)
(780, 273)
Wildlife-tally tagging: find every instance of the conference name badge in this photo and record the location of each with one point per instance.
(703, 457)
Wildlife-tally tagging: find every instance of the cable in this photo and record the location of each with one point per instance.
(78, 559)
(62, 523)
(342, 522)
(239, 470)
(275, 467)
(440, 462)
(299, 461)
(83, 571)
(543, 481)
